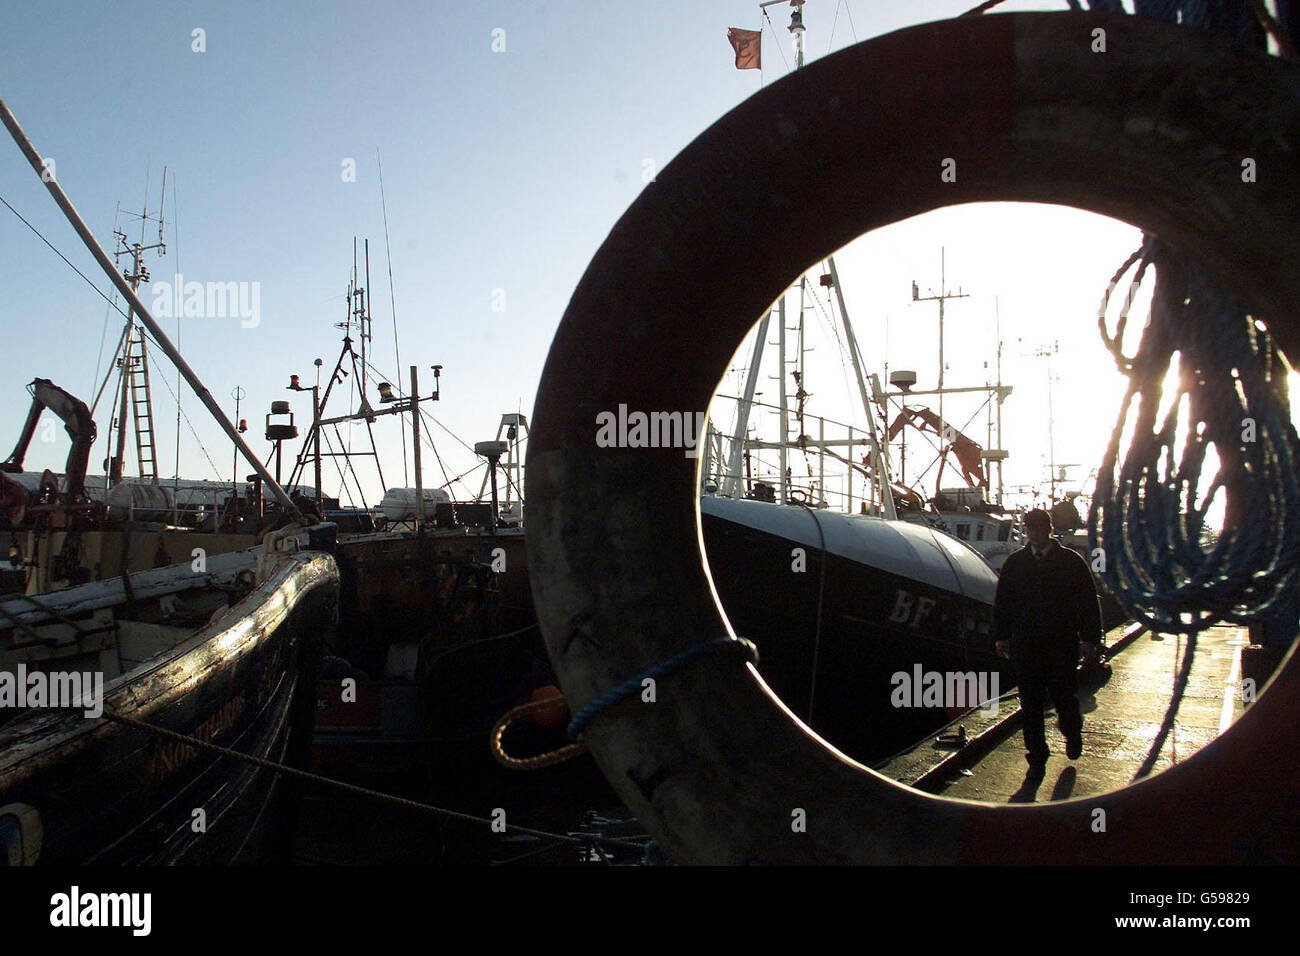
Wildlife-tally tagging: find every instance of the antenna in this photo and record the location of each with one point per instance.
(365, 321)
(1049, 352)
(943, 295)
(162, 249)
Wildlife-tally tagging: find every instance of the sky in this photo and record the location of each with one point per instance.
(512, 135)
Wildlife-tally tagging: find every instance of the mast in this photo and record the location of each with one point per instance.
(134, 394)
(1048, 352)
(146, 319)
(784, 452)
(796, 27)
(879, 467)
(942, 297)
(732, 483)
(237, 393)
(879, 458)
(1001, 396)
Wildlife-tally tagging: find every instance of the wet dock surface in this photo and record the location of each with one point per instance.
(1165, 698)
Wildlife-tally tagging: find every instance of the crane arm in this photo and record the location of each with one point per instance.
(76, 421)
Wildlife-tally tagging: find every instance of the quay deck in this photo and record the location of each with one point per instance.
(1165, 698)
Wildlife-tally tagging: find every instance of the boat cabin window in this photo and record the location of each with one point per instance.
(963, 530)
(1004, 532)
(979, 533)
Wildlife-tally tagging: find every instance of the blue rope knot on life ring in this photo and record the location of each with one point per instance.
(743, 649)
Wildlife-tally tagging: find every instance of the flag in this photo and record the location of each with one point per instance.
(748, 45)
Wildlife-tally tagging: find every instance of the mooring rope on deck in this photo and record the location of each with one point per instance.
(541, 761)
(353, 788)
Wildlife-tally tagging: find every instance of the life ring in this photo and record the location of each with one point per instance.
(1153, 131)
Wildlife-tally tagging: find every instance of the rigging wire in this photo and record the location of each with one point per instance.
(347, 460)
(831, 42)
(936, 443)
(215, 470)
(109, 373)
(66, 260)
(426, 416)
(176, 243)
(845, 358)
(777, 40)
(392, 298)
(343, 481)
(99, 359)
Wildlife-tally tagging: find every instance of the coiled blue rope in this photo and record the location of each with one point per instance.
(1148, 515)
(741, 648)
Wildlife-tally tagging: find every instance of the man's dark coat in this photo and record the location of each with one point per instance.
(1045, 606)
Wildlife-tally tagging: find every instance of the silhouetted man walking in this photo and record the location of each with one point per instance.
(1046, 605)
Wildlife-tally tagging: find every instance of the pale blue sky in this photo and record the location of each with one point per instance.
(503, 171)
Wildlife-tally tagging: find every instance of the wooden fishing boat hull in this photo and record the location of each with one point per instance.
(104, 792)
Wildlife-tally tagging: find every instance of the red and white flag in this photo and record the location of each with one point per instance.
(748, 45)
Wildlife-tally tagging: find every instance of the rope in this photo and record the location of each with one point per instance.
(615, 695)
(549, 759)
(1164, 565)
(351, 787)
(1279, 35)
(473, 642)
(1148, 516)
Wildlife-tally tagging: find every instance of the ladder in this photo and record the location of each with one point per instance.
(137, 372)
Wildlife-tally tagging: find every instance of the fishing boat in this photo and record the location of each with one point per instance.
(220, 650)
(839, 604)
(842, 581)
(111, 690)
(437, 636)
(73, 528)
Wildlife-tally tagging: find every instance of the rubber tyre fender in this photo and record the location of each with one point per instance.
(1154, 132)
